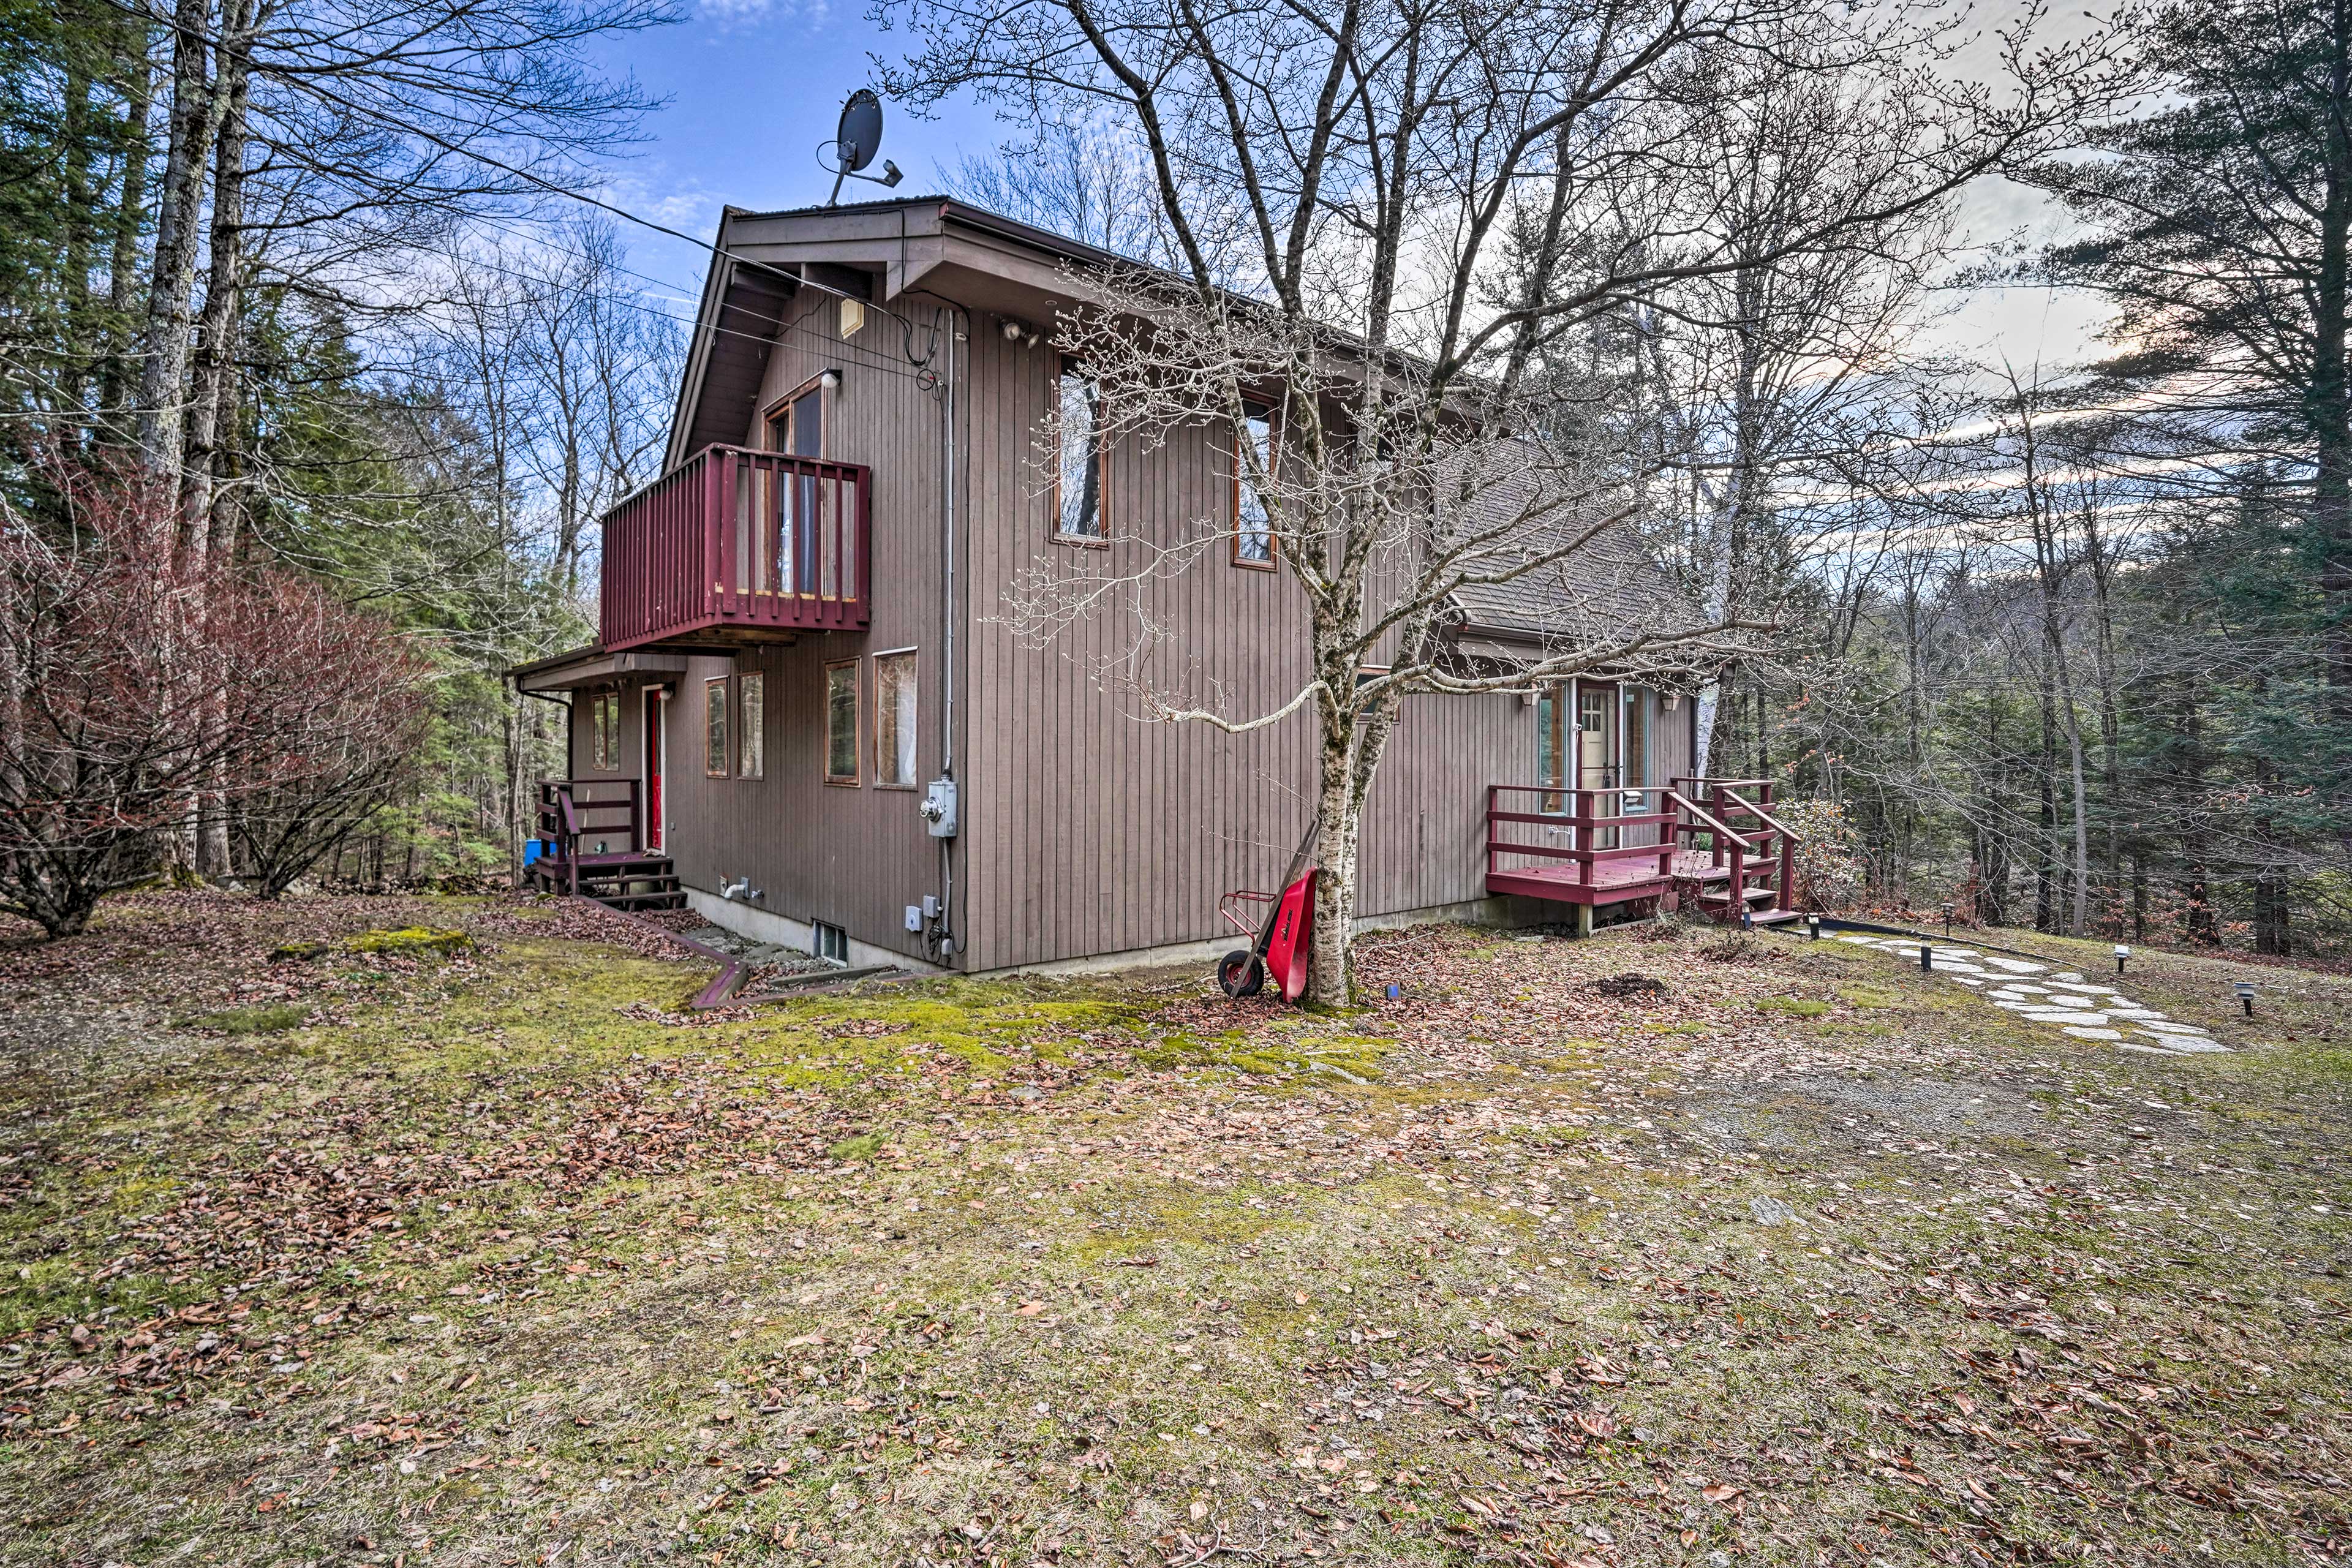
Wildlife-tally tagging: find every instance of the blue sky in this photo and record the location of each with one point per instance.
(752, 87)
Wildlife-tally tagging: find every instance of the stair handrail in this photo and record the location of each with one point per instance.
(1789, 839)
(1707, 819)
(1762, 816)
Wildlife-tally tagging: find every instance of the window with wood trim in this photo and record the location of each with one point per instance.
(1637, 738)
(605, 731)
(841, 723)
(893, 720)
(714, 726)
(752, 724)
(1553, 742)
(1079, 514)
(1252, 524)
(796, 422)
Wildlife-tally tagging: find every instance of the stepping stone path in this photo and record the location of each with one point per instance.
(2084, 1008)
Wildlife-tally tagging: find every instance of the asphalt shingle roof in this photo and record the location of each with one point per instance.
(1610, 586)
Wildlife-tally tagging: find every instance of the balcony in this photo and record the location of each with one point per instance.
(736, 547)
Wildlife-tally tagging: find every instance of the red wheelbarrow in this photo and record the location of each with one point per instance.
(1279, 925)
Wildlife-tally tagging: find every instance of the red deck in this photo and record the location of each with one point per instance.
(1612, 881)
(1593, 848)
(735, 547)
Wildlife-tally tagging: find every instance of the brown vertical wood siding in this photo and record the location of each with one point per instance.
(1092, 830)
(854, 856)
(1085, 828)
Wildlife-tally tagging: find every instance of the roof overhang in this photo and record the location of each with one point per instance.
(876, 251)
(594, 667)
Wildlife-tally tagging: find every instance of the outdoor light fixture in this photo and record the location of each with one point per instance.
(1947, 923)
(1927, 957)
(2121, 953)
(1813, 927)
(830, 380)
(2245, 989)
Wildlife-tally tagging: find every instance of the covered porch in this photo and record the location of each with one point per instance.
(592, 843)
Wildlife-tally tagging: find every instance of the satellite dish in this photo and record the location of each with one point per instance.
(855, 143)
(860, 136)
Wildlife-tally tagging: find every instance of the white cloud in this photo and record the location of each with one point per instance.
(730, 14)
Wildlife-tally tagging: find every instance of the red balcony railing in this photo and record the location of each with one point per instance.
(738, 546)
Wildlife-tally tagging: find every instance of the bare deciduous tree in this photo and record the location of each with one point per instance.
(1390, 222)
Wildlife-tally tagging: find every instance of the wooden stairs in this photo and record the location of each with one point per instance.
(1715, 841)
(576, 838)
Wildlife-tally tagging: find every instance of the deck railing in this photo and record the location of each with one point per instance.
(1755, 846)
(736, 545)
(1629, 842)
(573, 811)
(1589, 828)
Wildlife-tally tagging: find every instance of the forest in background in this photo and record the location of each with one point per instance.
(304, 277)
(2064, 646)
(2084, 663)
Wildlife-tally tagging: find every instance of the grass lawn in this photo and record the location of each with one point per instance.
(412, 1252)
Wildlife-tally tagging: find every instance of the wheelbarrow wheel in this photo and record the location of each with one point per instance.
(1240, 973)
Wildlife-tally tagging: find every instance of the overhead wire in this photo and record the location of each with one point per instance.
(317, 89)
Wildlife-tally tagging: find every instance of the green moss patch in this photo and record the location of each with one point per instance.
(1793, 1006)
(272, 1018)
(411, 942)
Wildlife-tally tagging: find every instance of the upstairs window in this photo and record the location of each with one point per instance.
(714, 726)
(605, 731)
(893, 720)
(841, 723)
(1253, 526)
(752, 724)
(1078, 513)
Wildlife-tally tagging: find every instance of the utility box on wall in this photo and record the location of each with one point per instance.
(939, 808)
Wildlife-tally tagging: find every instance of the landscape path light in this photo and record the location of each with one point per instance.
(2121, 953)
(2245, 989)
(1947, 921)
(1927, 957)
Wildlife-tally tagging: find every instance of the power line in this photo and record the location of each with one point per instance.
(317, 89)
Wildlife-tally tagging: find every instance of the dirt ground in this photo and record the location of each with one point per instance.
(382, 1252)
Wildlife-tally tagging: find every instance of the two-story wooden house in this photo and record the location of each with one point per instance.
(807, 717)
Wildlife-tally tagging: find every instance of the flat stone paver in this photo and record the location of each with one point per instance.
(2086, 1009)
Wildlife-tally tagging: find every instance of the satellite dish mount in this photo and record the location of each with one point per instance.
(855, 143)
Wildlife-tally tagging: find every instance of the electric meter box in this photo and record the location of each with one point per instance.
(939, 808)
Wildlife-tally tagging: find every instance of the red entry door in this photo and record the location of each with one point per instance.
(653, 767)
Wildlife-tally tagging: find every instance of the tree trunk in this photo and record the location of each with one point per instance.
(216, 326)
(117, 377)
(2045, 855)
(2271, 929)
(2329, 399)
(216, 348)
(74, 367)
(196, 107)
